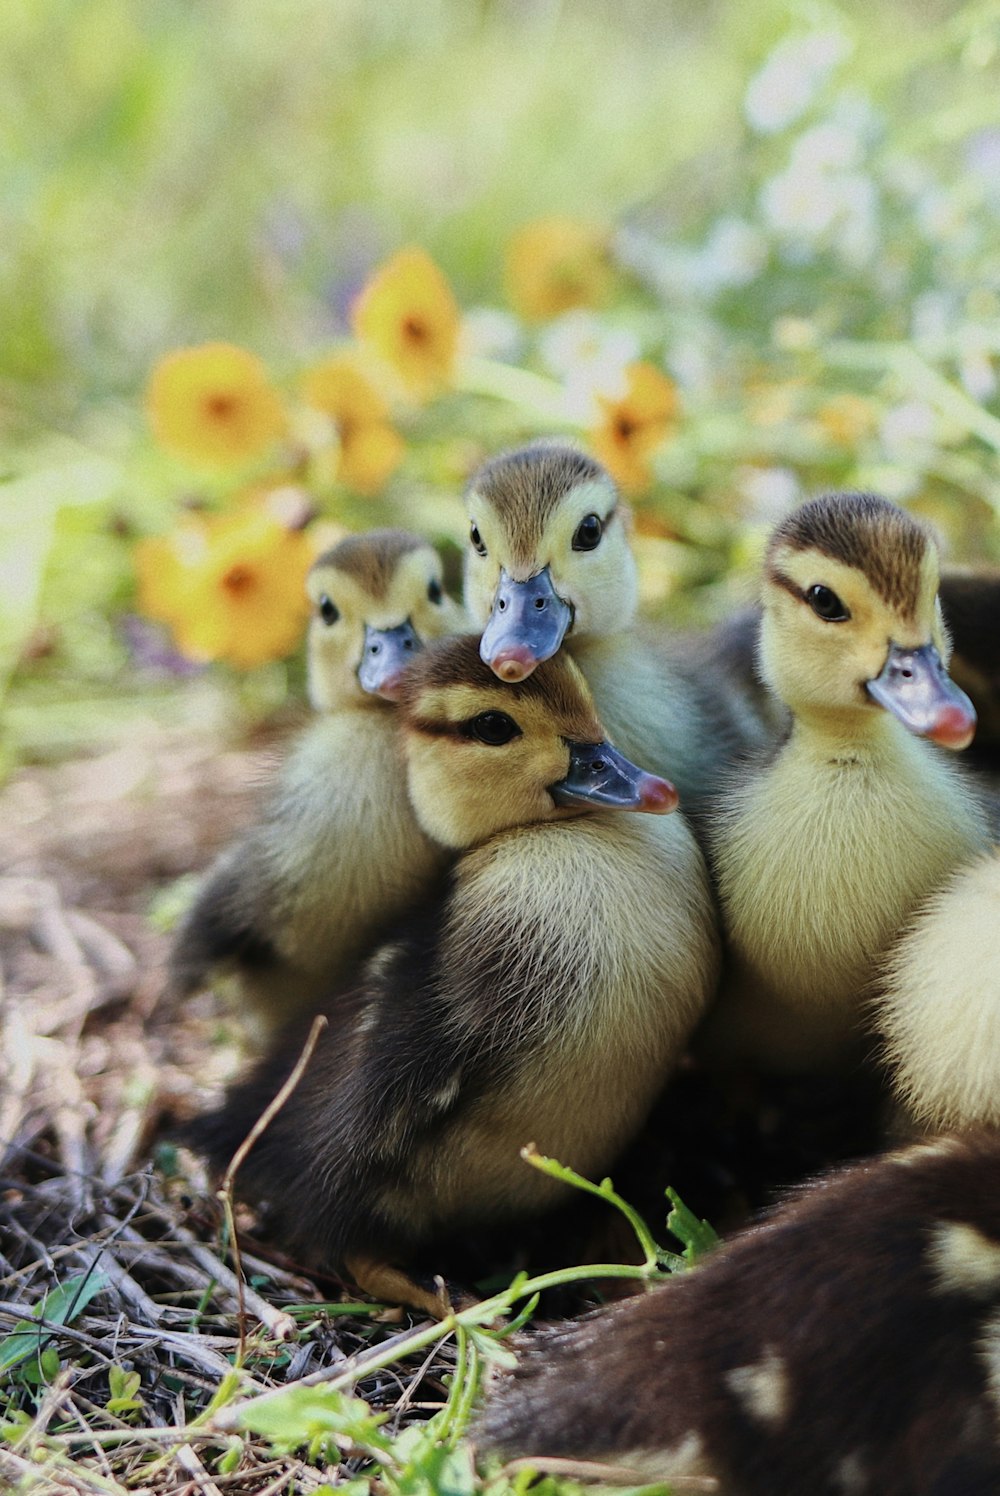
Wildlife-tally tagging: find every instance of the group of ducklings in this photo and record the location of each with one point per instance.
(504, 960)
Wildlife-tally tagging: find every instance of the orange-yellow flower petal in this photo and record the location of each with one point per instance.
(369, 456)
(634, 425)
(231, 587)
(408, 316)
(370, 448)
(214, 405)
(339, 387)
(554, 264)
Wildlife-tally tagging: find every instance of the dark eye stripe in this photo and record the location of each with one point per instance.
(781, 579)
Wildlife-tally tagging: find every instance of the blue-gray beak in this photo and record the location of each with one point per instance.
(384, 657)
(601, 776)
(916, 688)
(527, 625)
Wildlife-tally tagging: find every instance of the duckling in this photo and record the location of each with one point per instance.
(822, 854)
(850, 1344)
(543, 998)
(939, 1003)
(548, 564)
(294, 901)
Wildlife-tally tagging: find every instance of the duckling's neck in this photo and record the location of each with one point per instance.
(820, 859)
(846, 737)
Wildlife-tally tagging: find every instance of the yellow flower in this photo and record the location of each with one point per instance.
(370, 448)
(230, 587)
(555, 264)
(408, 316)
(214, 405)
(634, 425)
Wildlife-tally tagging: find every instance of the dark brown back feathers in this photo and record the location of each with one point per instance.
(849, 1344)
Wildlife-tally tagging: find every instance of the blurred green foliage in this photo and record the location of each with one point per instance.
(806, 206)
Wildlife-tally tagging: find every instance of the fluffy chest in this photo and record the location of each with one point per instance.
(820, 861)
(598, 930)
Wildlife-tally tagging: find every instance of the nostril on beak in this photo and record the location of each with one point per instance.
(502, 605)
(407, 643)
(539, 603)
(374, 649)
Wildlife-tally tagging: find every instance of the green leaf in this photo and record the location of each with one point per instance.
(425, 1467)
(123, 1385)
(60, 1306)
(228, 1462)
(312, 1416)
(490, 1348)
(41, 1369)
(520, 1320)
(697, 1235)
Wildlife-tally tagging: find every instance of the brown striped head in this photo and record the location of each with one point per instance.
(850, 600)
(546, 511)
(483, 757)
(377, 598)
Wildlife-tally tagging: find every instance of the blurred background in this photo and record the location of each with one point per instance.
(742, 253)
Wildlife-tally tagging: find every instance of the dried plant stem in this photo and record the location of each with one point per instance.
(282, 1326)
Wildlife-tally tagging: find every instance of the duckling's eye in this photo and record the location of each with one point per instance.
(434, 592)
(328, 610)
(826, 604)
(494, 728)
(477, 541)
(588, 533)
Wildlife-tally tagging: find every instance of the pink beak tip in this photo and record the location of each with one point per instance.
(954, 728)
(513, 664)
(658, 796)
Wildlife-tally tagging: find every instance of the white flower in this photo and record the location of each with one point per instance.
(734, 254)
(781, 92)
(591, 357)
(798, 204)
(907, 431)
(768, 493)
(813, 204)
(490, 332)
(827, 147)
(982, 155)
(975, 366)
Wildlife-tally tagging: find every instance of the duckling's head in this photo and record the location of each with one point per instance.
(483, 757)
(377, 598)
(548, 555)
(852, 621)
